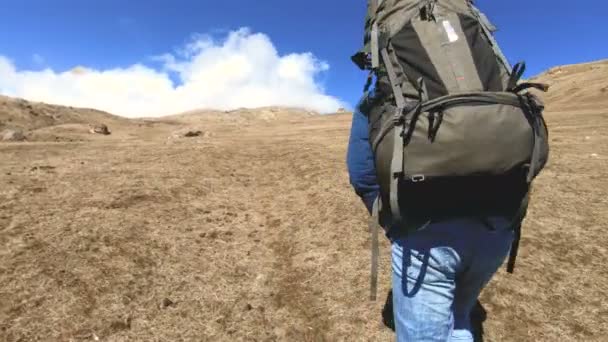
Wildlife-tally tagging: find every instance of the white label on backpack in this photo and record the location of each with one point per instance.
(449, 29)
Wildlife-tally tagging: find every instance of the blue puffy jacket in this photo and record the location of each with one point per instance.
(360, 159)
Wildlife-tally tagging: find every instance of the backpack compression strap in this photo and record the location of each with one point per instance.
(398, 143)
(396, 171)
(374, 46)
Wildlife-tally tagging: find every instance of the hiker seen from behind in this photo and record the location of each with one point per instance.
(444, 147)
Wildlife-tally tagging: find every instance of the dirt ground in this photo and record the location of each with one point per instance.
(252, 233)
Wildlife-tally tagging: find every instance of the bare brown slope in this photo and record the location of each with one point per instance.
(578, 86)
(28, 115)
(256, 235)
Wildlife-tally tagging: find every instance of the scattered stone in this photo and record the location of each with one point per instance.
(126, 300)
(12, 135)
(99, 129)
(191, 134)
(166, 303)
(43, 168)
(121, 325)
(595, 155)
(248, 307)
(274, 223)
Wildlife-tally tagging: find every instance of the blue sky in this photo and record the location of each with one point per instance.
(109, 34)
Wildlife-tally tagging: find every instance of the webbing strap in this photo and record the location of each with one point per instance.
(397, 159)
(396, 173)
(374, 46)
(535, 122)
(536, 152)
(527, 85)
(368, 83)
(374, 228)
(423, 92)
(392, 76)
(516, 75)
(516, 225)
(505, 98)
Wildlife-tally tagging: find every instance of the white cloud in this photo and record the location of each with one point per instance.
(244, 70)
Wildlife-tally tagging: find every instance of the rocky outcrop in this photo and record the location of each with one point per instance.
(99, 129)
(12, 135)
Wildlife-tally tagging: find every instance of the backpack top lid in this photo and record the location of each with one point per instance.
(389, 16)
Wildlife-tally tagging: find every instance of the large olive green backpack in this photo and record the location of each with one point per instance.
(453, 129)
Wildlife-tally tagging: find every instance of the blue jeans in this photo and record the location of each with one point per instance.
(439, 272)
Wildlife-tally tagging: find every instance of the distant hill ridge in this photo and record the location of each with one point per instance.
(576, 86)
(28, 115)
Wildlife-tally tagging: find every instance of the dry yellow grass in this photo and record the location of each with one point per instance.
(253, 234)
